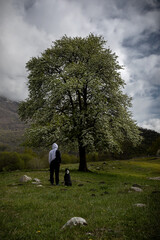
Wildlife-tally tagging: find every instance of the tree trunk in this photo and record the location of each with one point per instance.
(82, 156)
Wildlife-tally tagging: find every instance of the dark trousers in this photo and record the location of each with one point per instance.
(54, 167)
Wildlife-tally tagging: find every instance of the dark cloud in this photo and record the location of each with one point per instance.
(28, 4)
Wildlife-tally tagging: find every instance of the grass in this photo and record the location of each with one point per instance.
(102, 197)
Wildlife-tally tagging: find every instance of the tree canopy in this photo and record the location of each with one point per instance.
(76, 97)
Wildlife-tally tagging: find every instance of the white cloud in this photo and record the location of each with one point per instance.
(28, 27)
(19, 41)
(153, 124)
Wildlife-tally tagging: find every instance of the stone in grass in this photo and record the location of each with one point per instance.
(137, 189)
(140, 205)
(136, 185)
(74, 222)
(36, 181)
(25, 178)
(154, 178)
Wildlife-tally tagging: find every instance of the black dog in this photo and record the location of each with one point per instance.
(67, 178)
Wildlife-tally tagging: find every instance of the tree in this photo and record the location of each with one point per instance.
(75, 96)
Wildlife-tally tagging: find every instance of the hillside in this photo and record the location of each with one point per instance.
(11, 128)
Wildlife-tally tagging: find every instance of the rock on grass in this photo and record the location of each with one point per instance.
(137, 189)
(74, 222)
(25, 178)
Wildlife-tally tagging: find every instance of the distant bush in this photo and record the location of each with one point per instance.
(34, 160)
(10, 161)
(27, 159)
(154, 148)
(68, 158)
(92, 157)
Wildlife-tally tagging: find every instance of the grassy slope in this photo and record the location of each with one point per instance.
(101, 197)
(11, 128)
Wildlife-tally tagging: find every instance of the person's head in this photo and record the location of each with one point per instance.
(54, 146)
(66, 171)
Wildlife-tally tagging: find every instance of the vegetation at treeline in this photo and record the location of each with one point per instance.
(30, 159)
(11, 130)
(103, 197)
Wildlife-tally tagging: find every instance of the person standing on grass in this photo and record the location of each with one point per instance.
(54, 162)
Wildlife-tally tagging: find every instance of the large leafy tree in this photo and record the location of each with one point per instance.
(75, 96)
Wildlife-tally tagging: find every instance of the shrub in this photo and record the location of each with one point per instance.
(68, 158)
(10, 161)
(27, 158)
(92, 157)
(153, 149)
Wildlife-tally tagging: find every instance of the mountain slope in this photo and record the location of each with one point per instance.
(11, 128)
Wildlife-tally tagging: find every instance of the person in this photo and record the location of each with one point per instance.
(54, 162)
(67, 178)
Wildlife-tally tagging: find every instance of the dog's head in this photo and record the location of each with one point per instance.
(67, 171)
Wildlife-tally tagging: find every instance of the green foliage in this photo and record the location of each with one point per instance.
(153, 150)
(69, 158)
(10, 161)
(75, 95)
(28, 159)
(34, 160)
(92, 157)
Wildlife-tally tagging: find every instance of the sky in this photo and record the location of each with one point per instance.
(130, 27)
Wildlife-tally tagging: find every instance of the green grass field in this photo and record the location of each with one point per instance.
(102, 197)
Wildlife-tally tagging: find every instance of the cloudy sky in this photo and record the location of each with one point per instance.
(131, 28)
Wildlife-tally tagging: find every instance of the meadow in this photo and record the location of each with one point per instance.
(102, 196)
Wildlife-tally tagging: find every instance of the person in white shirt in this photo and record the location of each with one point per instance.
(54, 162)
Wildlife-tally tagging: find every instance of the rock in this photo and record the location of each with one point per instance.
(136, 189)
(136, 185)
(140, 205)
(154, 178)
(74, 222)
(25, 178)
(39, 185)
(37, 180)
